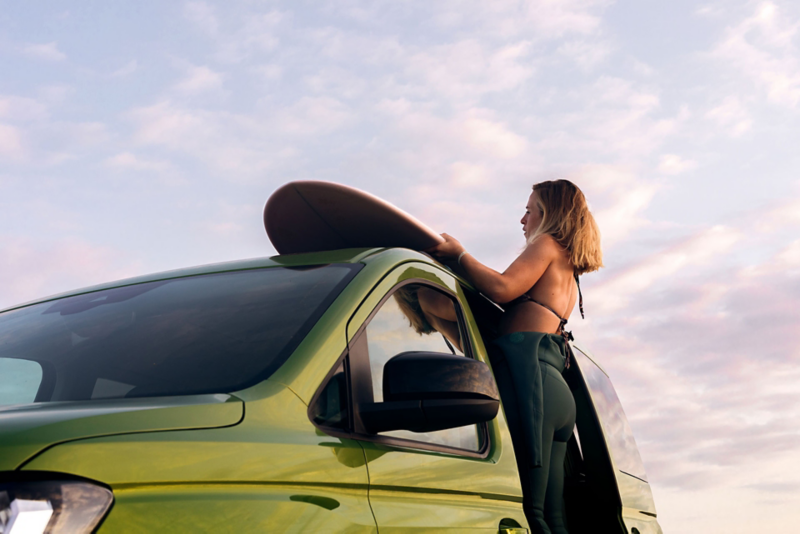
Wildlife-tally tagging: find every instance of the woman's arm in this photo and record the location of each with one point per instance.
(518, 278)
(440, 311)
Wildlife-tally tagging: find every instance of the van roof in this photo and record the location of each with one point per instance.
(351, 255)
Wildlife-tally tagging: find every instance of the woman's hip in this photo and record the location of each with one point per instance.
(558, 402)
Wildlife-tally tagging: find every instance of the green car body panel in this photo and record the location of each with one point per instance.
(28, 429)
(252, 460)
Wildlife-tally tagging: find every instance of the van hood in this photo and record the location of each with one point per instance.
(28, 429)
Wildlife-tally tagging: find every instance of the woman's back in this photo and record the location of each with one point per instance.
(551, 298)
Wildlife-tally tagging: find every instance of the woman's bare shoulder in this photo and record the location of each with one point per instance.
(544, 245)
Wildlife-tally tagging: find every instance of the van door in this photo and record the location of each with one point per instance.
(464, 479)
(605, 474)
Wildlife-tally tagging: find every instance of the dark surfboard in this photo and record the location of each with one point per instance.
(311, 216)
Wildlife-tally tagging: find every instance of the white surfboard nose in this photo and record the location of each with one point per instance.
(311, 216)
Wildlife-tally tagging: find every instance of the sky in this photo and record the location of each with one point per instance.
(144, 136)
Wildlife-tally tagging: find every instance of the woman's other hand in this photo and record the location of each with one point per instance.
(450, 249)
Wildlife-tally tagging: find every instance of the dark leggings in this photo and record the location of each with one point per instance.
(546, 503)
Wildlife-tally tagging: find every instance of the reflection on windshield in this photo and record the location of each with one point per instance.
(212, 333)
(609, 410)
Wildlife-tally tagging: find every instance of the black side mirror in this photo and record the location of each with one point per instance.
(429, 391)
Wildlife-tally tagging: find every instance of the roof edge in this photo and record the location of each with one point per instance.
(353, 255)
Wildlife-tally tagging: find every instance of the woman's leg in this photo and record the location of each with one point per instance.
(547, 486)
(554, 499)
(539, 476)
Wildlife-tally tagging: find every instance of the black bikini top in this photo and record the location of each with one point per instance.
(566, 335)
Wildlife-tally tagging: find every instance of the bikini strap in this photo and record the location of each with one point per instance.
(568, 335)
(564, 334)
(548, 308)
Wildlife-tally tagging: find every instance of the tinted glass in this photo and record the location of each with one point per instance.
(615, 424)
(202, 334)
(332, 407)
(400, 326)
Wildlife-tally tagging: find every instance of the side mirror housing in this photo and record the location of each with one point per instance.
(429, 391)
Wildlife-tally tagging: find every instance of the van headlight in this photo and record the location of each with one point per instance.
(52, 507)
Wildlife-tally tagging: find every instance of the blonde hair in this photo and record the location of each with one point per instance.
(408, 302)
(566, 217)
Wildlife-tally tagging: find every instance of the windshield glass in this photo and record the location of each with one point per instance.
(212, 333)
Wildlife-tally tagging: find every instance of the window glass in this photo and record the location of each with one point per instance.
(615, 424)
(19, 381)
(418, 318)
(212, 333)
(332, 408)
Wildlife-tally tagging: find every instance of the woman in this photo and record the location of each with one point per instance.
(539, 290)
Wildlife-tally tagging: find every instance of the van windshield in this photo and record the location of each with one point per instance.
(213, 333)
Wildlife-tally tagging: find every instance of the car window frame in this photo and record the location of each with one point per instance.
(359, 382)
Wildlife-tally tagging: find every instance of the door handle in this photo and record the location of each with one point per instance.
(513, 530)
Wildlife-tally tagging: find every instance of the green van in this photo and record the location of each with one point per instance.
(287, 394)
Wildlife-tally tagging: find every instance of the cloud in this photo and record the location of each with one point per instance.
(16, 108)
(611, 117)
(199, 79)
(492, 137)
(778, 216)
(127, 160)
(75, 135)
(618, 199)
(789, 258)
(39, 141)
(311, 116)
(231, 221)
(241, 146)
(255, 33)
(45, 51)
(203, 16)
(586, 54)
(699, 250)
(126, 70)
(55, 93)
(674, 164)
(732, 116)
(11, 145)
(32, 268)
(544, 19)
(467, 70)
(762, 48)
(468, 175)
(268, 72)
(783, 488)
(701, 342)
(341, 45)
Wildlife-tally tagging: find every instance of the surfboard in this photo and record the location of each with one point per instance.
(311, 216)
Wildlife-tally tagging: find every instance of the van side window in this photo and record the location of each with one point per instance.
(403, 324)
(615, 424)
